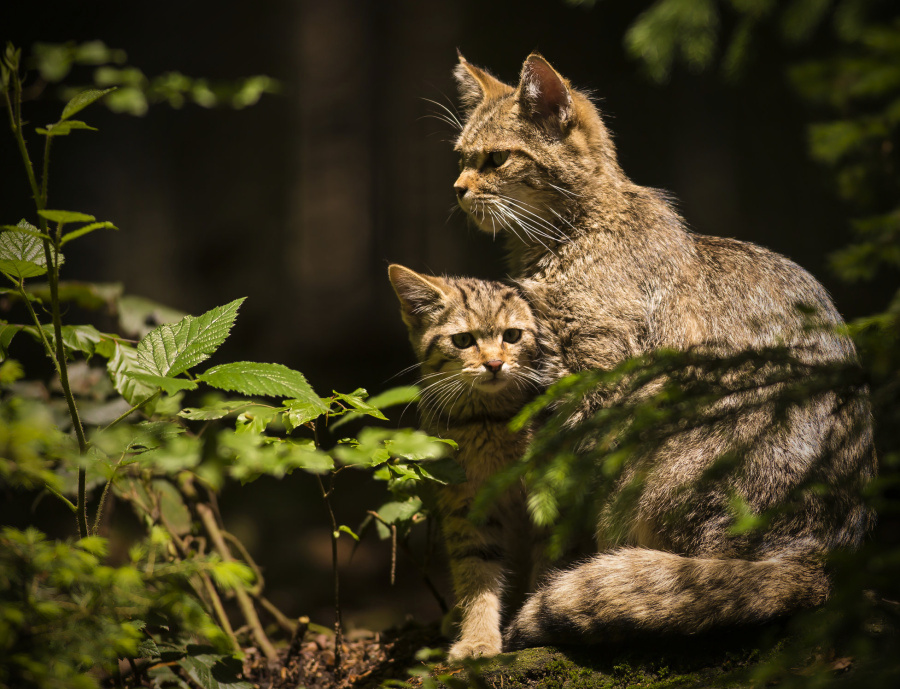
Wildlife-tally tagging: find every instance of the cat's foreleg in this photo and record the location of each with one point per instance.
(477, 566)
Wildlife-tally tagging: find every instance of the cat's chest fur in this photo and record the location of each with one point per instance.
(485, 446)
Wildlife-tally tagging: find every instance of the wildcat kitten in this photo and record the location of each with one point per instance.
(477, 344)
(612, 272)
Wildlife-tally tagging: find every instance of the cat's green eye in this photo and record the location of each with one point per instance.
(512, 335)
(499, 157)
(462, 340)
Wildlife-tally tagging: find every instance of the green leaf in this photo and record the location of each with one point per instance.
(81, 231)
(271, 380)
(7, 333)
(81, 338)
(300, 412)
(346, 530)
(63, 128)
(255, 419)
(213, 671)
(123, 361)
(389, 398)
(393, 512)
(66, 216)
(171, 349)
(210, 412)
(82, 100)
(356, 399)
(169, 385)
(22, 253)
(172, 507)
(378, 445)
(25, 227)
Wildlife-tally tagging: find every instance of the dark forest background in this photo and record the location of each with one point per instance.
(300, 202)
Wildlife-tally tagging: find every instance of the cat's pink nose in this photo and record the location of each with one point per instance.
(493, 366)
(460, 190)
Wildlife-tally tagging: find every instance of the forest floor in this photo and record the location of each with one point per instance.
(740, 658)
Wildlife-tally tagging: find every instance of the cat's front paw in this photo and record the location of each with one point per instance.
(474, 648)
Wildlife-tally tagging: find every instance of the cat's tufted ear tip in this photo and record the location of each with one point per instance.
(460, 57)
(544, 94)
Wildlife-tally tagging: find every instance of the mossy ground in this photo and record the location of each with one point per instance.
(727, 660)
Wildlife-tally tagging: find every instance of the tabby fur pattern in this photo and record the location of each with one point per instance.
(612, 272)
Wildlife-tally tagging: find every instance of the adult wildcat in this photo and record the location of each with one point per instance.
(612, 272)
(477, 345)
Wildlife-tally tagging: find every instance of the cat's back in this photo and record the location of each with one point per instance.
(750, 296)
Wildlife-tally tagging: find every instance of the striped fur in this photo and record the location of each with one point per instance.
(612, 272)
(463, 399)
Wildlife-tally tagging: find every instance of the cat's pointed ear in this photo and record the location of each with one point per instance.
(545, 96)
(419, 295)
(476, 85)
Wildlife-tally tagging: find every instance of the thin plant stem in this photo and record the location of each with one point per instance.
(131, 411)
(37, 321)
(40, 200)
(243, 598)
(338, 622)
(212, 596)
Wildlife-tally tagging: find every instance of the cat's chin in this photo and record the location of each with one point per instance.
(491, 385)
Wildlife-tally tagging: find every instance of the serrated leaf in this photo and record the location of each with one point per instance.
(82, 100)
(124, 360)
(255, 419)
(211, 412)
(393, 512)
(211, 671)
(82, 338)
(271, 380)
(7, 333)
(66, 216)
(357, 400)
(81, 231)
(27, 228)
(172, 507)
(63, 128)
(169, 385)
(173, 348)
(300, 412)
(22, 253)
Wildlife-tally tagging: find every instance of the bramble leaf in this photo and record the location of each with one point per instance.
(82, 100)
(63, 128)
(210, 412)
(7, 333)
(22, 252)
(81, 231)
(124, 360)
(66, 216)
(406, 394)
(169, 385)
(271, 380)
(300, 412)
(173, 348)
(356, 399)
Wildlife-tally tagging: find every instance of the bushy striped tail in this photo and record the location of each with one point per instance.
(637, 590)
